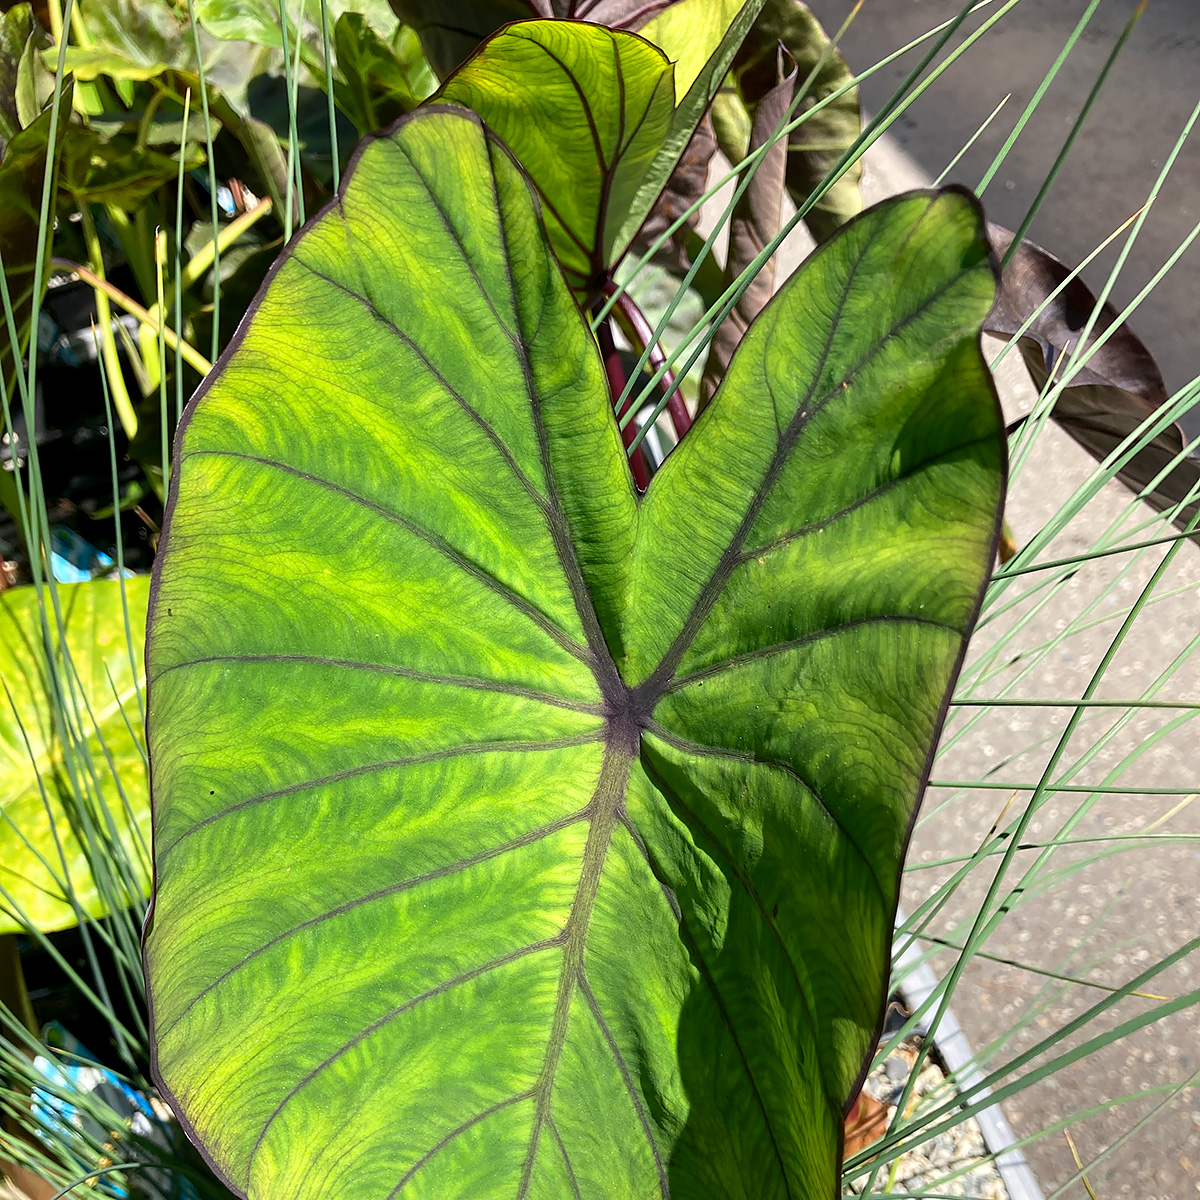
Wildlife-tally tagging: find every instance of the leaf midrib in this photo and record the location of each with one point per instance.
(627, 711)
(631, 708)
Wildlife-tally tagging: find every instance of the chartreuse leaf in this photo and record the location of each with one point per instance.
(516, 838)
(690, 31)
(586, 111)
(701, 37)
(599, 118)
(48, 818)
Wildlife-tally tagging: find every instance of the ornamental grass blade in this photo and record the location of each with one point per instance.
(52, 814)
(516, 838)
(1110, 397)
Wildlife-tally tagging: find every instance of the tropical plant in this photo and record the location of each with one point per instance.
(542, 837)
(253, 110)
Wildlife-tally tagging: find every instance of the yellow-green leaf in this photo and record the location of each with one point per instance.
(586, 111)
(73, 785)
(517, 839)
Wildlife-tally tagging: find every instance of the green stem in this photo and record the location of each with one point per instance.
(191, 355)
(108, 343)
(13, 993)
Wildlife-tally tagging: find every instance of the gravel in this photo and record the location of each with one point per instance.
(954, 1163)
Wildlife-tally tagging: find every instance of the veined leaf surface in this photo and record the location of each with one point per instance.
(599, 119)
(516, 837)
(51, 810)
(586, 111)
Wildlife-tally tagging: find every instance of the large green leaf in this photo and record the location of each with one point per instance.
(586, 111)
(515, 837)
(52, 808)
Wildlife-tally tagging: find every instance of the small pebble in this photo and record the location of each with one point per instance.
(947, 1164)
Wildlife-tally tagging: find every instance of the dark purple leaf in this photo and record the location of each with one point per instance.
(1112, 395)
(756, 220)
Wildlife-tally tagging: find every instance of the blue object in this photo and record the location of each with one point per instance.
(73, 559)
(77, 1071)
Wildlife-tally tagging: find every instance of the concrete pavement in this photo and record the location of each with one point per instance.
(1118, 914)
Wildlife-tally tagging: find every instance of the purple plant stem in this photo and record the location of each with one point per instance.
(616, 385)
(636, 328)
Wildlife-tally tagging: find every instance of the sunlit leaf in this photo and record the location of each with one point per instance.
(258, 20)
(66, 800)
(688, 32)
(516, 838)
(586, 111)
(590, 116)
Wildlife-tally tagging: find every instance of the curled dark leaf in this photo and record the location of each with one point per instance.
(1109, 397)
(816, 145)
(756, 220)
(685, 186)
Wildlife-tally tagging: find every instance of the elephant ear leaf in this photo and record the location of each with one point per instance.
(516, 838)
(45, 865)
(599, 119)
(585, 110)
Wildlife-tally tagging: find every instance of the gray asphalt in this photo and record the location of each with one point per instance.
(1145, 104)
(1119, 914)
